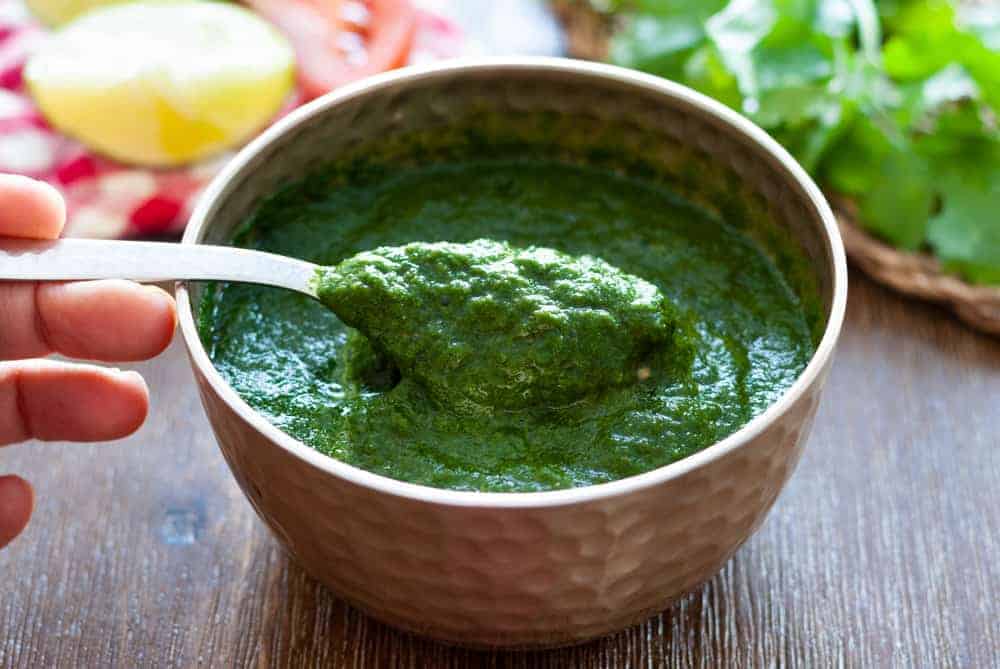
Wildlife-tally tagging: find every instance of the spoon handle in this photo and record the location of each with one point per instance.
(81, 259)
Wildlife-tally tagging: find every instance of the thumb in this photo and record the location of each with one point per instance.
(16, 500)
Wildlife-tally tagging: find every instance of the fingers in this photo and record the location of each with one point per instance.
(56, 401)
(31, 209)
(96, 320)
(100, 320)
(106, 320)
(16, 502)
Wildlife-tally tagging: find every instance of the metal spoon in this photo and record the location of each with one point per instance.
(82, 259)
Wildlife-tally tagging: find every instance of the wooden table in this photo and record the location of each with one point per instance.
(884, 550)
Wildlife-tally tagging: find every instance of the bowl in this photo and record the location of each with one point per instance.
(522, 569)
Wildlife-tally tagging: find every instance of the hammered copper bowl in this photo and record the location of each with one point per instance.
(521, 569)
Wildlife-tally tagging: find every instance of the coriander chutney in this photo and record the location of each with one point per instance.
(485, 328)
(522, 324)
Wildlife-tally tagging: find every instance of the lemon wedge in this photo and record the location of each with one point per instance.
(58, 12)
(162, 82)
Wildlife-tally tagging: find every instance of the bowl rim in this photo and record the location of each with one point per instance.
(516, 500)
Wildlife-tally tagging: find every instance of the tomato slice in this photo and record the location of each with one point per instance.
(338, 41)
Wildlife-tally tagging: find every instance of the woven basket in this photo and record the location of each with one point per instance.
(914, 274)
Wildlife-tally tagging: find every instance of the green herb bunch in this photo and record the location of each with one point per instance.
(891, 103)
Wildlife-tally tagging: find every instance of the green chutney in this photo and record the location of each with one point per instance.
(511, 324)
(486, 329)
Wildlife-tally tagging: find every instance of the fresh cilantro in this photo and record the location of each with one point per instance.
(966, 234)
(662, 35)
(893, 103)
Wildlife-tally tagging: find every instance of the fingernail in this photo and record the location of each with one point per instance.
(166, 298)
(153, 288)
(127, 375)
(133, 375)
(16, 502)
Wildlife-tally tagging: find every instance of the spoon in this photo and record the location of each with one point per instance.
(150, 262)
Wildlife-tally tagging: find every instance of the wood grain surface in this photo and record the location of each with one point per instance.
(884, 550)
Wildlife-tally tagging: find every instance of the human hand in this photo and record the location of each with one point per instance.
(110, 321)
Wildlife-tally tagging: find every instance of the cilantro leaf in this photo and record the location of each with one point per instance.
(657, 45)
(931, 35)
(704, 71)
(966, 233)
(907, 126)
(876, 165)
(662, 34)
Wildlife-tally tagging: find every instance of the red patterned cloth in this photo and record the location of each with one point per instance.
(106, 199)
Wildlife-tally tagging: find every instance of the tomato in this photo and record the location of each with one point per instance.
(338, 41)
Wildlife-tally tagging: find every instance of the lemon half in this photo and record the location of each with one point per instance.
(162, 82)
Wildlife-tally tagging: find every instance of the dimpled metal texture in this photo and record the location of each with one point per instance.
(546, 569)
